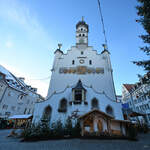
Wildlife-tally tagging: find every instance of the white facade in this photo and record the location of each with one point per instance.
(16, 98)
(80, 65)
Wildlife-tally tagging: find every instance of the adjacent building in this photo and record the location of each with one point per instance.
(138, 97)
(16, 98)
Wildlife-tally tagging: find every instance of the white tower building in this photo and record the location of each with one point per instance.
(82, 30)
(81, 82)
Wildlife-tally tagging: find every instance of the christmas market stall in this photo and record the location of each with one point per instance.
(101, 124)
(21, 121)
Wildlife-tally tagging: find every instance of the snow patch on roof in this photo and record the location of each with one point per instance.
(7, 73)
(20, 116)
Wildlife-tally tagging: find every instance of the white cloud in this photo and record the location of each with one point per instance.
(21, 14)
(9, 44)
(18, 13)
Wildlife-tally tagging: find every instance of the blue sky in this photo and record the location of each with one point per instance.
(31, 29)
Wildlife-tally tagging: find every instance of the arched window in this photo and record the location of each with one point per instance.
(79, 34)
(94, 103)
(90, 62)
(47, 114)
(63, 106)
(109, 110)
(81, 29)
(83, 34)
(73, 62)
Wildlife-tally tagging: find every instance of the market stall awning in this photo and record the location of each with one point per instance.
(29, 116)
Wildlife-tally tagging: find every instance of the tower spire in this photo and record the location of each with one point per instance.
(82, 18)
(82, 30)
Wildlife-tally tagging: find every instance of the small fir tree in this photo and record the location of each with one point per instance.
(68, 126)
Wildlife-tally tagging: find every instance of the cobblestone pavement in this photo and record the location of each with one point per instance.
(75, 144)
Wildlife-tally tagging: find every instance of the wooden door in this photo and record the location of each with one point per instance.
(100, 126)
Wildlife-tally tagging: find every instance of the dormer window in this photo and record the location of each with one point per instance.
(78, 93)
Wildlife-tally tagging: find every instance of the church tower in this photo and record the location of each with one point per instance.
(82, 30)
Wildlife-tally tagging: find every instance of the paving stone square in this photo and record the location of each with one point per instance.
(74, 144)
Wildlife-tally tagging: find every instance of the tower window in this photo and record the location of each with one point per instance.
(83, 34)
(90, 62)
(79, 34)
(73, 62)
(81, 52)
(81, 29)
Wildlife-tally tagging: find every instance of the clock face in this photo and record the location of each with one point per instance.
(81, 61)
